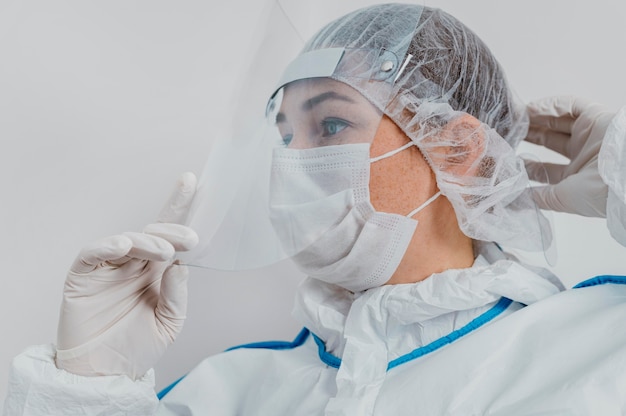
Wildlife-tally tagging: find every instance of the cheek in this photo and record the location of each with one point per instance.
(401, 183)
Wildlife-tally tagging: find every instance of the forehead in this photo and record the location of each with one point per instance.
(300, 91)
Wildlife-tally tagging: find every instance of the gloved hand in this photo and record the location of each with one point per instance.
(125, 299)
(574, 128)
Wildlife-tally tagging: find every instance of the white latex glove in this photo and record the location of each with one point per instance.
(574, 128)
(124, 299)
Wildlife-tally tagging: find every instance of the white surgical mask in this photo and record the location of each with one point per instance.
(321, 210)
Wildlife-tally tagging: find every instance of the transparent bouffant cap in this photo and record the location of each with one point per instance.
(420, 67)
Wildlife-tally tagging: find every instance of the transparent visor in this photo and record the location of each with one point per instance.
(290, 102)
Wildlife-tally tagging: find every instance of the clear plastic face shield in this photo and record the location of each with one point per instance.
(279, 182)
(290, 101)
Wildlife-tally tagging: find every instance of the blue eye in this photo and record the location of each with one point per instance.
(332, 126)
(287, 138)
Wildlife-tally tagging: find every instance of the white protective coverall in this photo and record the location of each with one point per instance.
(399, 349)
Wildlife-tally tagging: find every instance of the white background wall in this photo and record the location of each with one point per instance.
(103, 104)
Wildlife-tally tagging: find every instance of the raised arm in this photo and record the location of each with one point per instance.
(124, 303)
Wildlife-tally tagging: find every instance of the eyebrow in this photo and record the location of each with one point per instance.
(312, 102)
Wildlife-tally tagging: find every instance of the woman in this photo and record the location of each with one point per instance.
(392, 178)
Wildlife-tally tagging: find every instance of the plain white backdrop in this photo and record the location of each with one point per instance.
(104, 104)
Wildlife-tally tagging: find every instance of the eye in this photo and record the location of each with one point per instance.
(287, 139)
(332, 126)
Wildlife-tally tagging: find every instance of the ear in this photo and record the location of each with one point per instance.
(458, 147)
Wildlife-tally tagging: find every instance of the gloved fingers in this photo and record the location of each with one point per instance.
(177, 206)
(557, 106)
(582, 105)
(181, 237)
(551, 173)
(149, 247)
(581, 110)
(549, 197)
(106, 249)
(171, 309)
(562, 124)
(589, 191)
(550, 139)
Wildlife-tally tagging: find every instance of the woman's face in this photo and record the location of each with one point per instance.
(322, 112)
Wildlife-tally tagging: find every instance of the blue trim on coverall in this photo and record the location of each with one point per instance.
(476, 323)
(271, 345)
(335, 362)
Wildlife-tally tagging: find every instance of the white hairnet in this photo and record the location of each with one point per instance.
(452, 99)
(420, 67)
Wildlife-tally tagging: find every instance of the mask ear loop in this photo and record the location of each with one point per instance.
(392, 152)
(424, 205)
(406, 146)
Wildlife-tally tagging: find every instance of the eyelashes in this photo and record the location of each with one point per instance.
(287, 138)
(332, 126)
(324, 134)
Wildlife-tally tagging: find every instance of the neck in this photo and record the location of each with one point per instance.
(437, 245)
